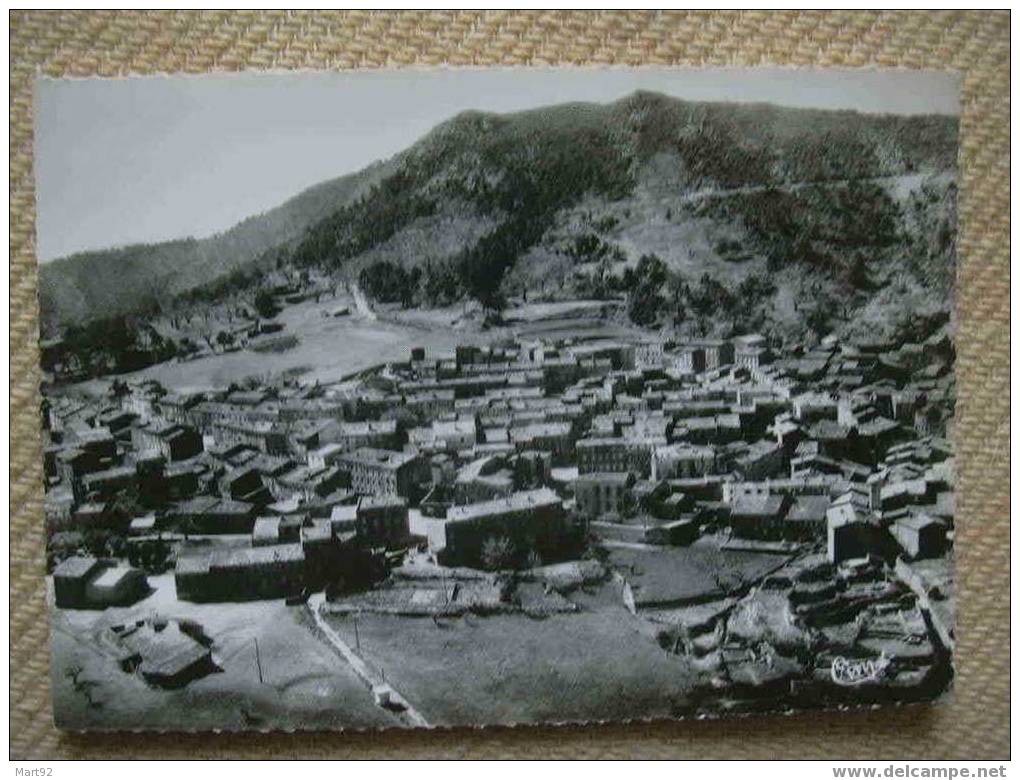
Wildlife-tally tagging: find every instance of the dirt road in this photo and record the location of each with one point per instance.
(362, 303)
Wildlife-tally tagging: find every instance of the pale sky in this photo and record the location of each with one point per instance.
(122, 161)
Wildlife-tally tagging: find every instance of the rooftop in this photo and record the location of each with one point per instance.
(114, 575)
(807, 509)
(620, 478)
(266, 528)
(390, 459)
(847, 513)
(918, 521)
(240, 557)
(758, 504)
(344, 513)
(143, 523)
(530, 499)
(380, 502)
(76, 566)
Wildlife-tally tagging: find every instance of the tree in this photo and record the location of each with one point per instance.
(152, 556)
(439, 284)
(411, 285)
(498, 553)
(645, 306)
(521, 474)
(678, 292)
(651, 270)
(756, 288)
(265, 304)
(819, 318)
(589, 248)
(484, 279)
(858, 274)
(390, 283)
(628, 504)
(646, 301)
(710, 296)
(602, 284)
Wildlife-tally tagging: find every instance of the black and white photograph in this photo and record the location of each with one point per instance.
(420, 398)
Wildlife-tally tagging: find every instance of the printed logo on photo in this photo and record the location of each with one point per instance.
(854, 671)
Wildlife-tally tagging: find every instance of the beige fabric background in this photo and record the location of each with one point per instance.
(975, 724)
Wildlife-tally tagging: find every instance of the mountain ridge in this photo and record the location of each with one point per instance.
(483, 193)
(87, 285)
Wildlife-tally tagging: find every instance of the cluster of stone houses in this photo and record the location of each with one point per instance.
(534, 442)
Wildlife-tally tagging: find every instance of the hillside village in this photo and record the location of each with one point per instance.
(762, 511)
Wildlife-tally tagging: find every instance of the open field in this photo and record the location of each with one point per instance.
(597, 664)
(314, 346)
(590, 327)
(307, 685)
(699, 573)
(601, 663)
(328, 349)
(537, 311)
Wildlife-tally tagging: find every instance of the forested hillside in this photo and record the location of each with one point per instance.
(91, 285)
(703, 217)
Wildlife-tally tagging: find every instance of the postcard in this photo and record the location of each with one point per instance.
(447, 397)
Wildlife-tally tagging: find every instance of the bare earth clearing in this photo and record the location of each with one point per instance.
(306, 684)
(330, 349)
